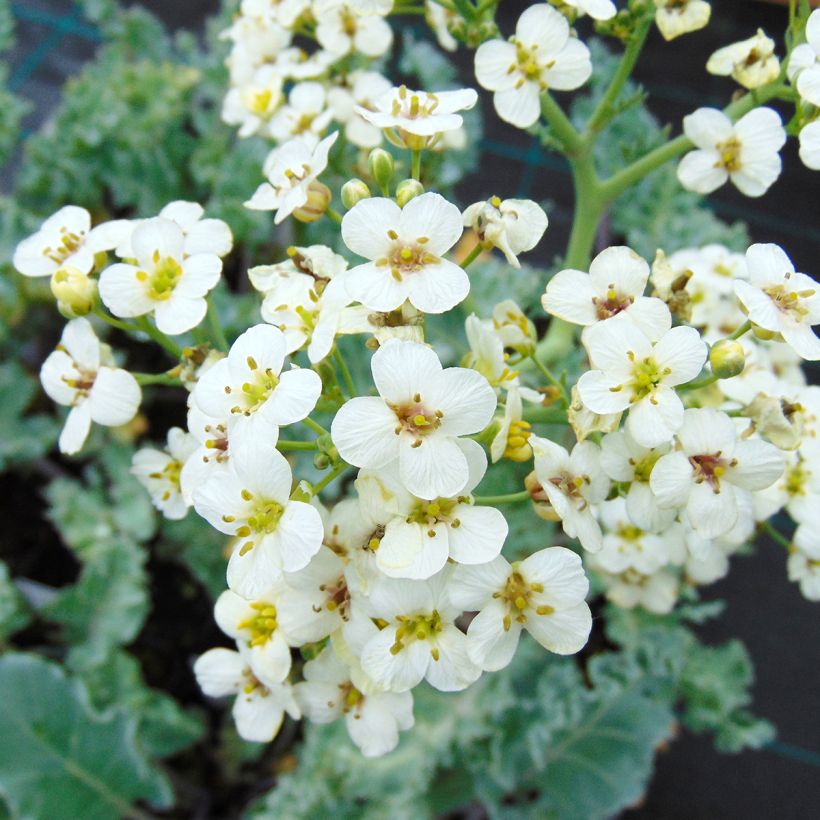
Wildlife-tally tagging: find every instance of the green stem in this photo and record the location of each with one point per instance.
(415, 163)
(698, 383)
(604, 110)
(778, 536)
(407, 10)
(561, 125)
(117, 323)
(215, 326)
(744, 328)
(286, 446)
(509, 498)
(331, 476)
(472, 256)
(348, 378)
(159, 337)
(315, 426)
(334, 215)
(157, 378)
(551, 379)
(545, 415)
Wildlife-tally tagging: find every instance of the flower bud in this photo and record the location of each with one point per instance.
(380, 163)
(75, 291)
(728, 358)
(540, 502)
(353, 191)
(408, 189)
(318, 200)
(321, 461)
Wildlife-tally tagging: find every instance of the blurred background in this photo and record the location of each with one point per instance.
(779, 627)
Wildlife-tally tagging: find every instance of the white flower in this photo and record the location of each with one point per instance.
(487, 356)
(373, 718)
(420, 640)
(421, 534)
(417, 418)
(752, 62)
(406, 247)
(656, 593)
(79, 375)
(290, 170)
(542, 55)
(573, 482)
(305, 116)
(251, 501)
(798, 490)
(804, 563)
(614, 285)
(597, 9)
(631, 372)
(624, 460)
(513, 327)
(250, 384)
(676, 17)
(268, 626)
(284, 12)
(353, 532)
(804, 63)
(417, 119)
(780, 300)
(746, 152)
(252, 105)
(437, 17)
(164, 281)
(584, 422)
(66, 240)
(709, 467)
(364, 88)
(543, 594)
(159, 472)
(810, 145)
(342, 28)
(512, 225)
(260, 704)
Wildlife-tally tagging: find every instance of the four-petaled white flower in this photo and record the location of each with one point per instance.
(290, 170)
(572, 482)
(631, 372)
(676, 17)
(708, 469)
(420, 639)
(373, 718)
(305, 116)
(804, 63)
(251, 501)
(614, 286)
(406, 246)
(80, 374)
(752, 62)
(249, 383)
(342, 28)
(252, 105)
(745, 153)
(418, 116)
(543, 594)
(417, 418)
(66, 240)
(164, 281)
(541, 56)
(159, 472)
(780, 300)
(260, 704)
(512, 225)
(363, 88)
(420, 534)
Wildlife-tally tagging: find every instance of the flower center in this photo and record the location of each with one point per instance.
(252, 683)
(255, 391)
(517, 594)
(572, 486)
(291, 179)
(407, 257)
(337, 597)
(435, 512)
(788, 301)
(647, 374)
(351, 698)
(219, 443)
(526, 61)
(416, 419)
(169, 473)
(260, 101)
(262, 519)
(412, 106)
(84, 381)
(611, 304)
(163, 279)
(418, 628)
(729, 155)
(797, 477)
(68, 244)
(711, 468)
(643, 468)
(261, 625)
(632, 534)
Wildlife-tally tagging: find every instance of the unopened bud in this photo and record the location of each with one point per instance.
(728, 358)
(541, 505)
(321, 461)
(318, 200)
(74, 290)
(353, 191)
(408, 189)
(381, 167)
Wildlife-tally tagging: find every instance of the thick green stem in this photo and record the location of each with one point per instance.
(744, 328)
(509, 498)
(315, 426)
(415, 163)
(472, 256)
(561, 125)
(286, 446)
(157, 378)
(215, 327)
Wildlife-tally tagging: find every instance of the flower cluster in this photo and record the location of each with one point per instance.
(689, 424)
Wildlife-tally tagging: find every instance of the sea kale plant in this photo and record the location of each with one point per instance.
(408, 463)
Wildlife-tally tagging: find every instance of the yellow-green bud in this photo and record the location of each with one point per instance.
(353, 191)
(408, 189)
(318, 200)
(74, 291)
(321, 461)
(728, 358)
(381, 167)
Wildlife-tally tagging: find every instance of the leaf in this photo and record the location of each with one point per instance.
(14, 614)
(65, 760)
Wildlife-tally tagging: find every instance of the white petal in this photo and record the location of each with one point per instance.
(654, 423)
(436, 468)
(301, 533)
(365, 226)
(492, 61)
(399, 672)
(466, 399)
(432, 216)
(489, 645)
(157, 235)
(180, 314)
(402, 369)
(115, 397)
(220, 672)
(701, 172)
(75, 430)
(122, 293)
(707, 127)
(438, 288)
(561, 573)
(520, 107)
(569, 296)
(672, 479)
(479, 536)
(375, 287)
(453, 671)
(711, 513)
(258, 719)
(563, 632)
(294, 397)
(363, 432)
